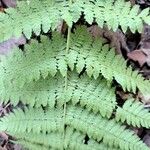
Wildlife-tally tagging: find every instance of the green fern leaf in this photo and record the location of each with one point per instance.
(88, 12)
(92, 94)
(73, 140)
(134, 114)
(80, 63)
(94, 126)
(47, 57)
(82, 121)
(27, 122)
(39, 16)
(36, 17)
(119, 13)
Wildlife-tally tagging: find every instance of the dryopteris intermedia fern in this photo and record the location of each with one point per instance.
(66, 81)
(50, 120)
(39, 15)
(48, 57)
(88, 92)
(74, 140)
(134, 114)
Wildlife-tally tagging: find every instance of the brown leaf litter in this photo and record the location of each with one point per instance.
(142, 55)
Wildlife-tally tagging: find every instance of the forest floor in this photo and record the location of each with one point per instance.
(135, 48)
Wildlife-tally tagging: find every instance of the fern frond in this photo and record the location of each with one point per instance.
(27, 121)
(133, 113)
(38, 59)
(47, 57)
(74, 140)
(95, 95)
(120, 13)
(110, 132)
(101, 129)
(39, 16)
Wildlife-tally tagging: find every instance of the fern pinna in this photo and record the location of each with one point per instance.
(66, 81)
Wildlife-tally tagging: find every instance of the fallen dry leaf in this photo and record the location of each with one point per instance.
(117, 39)
(17, 147)
(132, 2)
(9, 3)
(6, 46)
(143, 2)
(142, 55)
(145, 98)
(146, 138)
(4, 135)
(137, 131)
(1, 9)
(124, 96)
(139, 56)
(3, 148)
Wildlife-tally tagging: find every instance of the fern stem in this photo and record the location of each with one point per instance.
(66, 82)
(65, 88)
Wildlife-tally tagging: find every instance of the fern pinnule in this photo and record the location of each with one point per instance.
(134, 113)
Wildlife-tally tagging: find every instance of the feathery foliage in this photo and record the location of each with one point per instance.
(73, 140)
(39, 15)
(66, 80)
(47, 57)
(90, 93)
(134, 114)
(94, 126)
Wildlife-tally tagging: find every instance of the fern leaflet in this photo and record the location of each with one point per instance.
(134, 114)
(39, 16)
(90, 93)
(88, 123)
(74, 141)
(47, 57)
